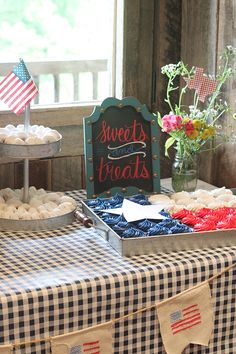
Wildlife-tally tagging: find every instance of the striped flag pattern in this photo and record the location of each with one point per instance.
(184, 319)
(93, 340)
(17, 89)
(87, 347)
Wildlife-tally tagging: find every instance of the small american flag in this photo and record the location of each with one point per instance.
(181, 320)
(17, 89)
(87, 347)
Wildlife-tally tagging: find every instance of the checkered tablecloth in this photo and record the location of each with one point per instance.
(55, 282)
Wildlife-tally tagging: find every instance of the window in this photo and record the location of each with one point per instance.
(67, 46)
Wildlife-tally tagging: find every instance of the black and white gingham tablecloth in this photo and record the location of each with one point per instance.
(56, 282)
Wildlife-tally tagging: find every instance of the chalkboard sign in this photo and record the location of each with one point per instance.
(121, 140)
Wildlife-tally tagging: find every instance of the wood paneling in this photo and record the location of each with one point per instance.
(138, 49)
(39, 174)
(198, 48)
(7, 176)
(167, 40)
(67, 173)
(224, 159)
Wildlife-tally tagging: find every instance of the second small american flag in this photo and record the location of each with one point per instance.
(180, 320)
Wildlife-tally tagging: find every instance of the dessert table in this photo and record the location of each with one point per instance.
(56, 282)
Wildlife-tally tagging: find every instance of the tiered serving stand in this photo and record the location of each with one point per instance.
(27, 152)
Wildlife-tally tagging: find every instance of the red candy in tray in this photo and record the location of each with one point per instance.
(206, 219)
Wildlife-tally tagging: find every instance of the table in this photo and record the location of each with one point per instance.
(55, 282)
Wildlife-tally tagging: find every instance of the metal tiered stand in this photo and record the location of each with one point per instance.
(27, 152)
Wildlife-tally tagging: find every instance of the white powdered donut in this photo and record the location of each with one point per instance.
(22, 135)
(2, 206)
(195, 206)
(56, 133)
(2, 200)
(58, 212)
(34, 140)
(14, 201)
(49, 206)
(24, 207)
(66, 207)
(215, 205)
(4, 131)
(44, 214)
(32, 191)
(220, 191)
(41, 192)
(7, 193)
(180, 195)
(35, 216)
(66, 198)
(224, 197)
(22, 214)
(20, 127)
(10, 128)
(51, 197)
(11, 139)
(176, 208)
(183, 201)
(200, 193)
(232, 203)
(49, 138)
(3, 137)
(35, 202)
(158, 198)
(207, 199)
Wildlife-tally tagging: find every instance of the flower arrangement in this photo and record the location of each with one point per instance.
(190, 128)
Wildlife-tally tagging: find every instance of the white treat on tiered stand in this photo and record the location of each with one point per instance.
(36, 135)
(41, 204)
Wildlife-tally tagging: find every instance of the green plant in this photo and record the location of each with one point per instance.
(191, 127)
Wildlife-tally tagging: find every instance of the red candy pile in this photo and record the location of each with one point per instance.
(206, 219)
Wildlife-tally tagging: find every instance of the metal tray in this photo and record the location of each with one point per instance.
(160, 243)
(30, 151)
(37, 224)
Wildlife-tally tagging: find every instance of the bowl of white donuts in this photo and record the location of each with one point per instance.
(43, 211)
(38, 141)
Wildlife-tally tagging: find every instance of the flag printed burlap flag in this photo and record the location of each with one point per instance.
(94, 340)
(17, 89)
(6, 349)
(186, 318)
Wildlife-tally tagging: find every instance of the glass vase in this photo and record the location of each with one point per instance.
(184, 173)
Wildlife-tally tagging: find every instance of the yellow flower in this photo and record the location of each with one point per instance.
(193, 134)
(185, 120)
(210, 131)
(197, 124)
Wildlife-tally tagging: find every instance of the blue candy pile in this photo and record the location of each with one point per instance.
(140, 228)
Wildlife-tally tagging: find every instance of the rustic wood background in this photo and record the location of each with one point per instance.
(156, 32)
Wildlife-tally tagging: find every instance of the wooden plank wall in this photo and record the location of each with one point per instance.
(207, 28)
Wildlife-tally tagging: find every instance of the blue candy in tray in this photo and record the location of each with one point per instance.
(139, 228)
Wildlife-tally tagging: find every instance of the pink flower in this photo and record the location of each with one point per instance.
(171, 122)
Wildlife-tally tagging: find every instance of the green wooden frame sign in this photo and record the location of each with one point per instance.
(121, 143)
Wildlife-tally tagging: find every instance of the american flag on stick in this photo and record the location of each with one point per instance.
(17, 89)
(186, 318)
